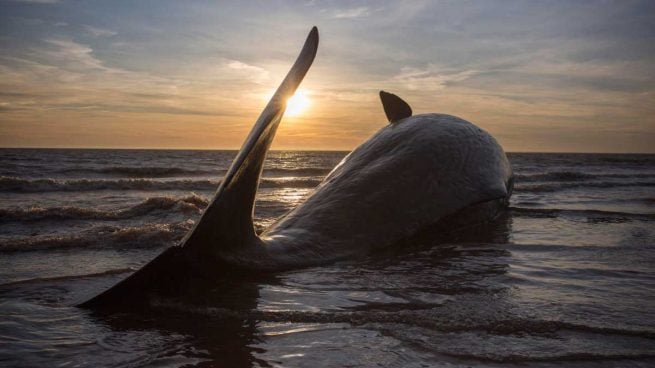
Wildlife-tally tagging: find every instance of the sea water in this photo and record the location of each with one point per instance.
(565, 277)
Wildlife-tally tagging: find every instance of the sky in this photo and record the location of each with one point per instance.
(564, 76)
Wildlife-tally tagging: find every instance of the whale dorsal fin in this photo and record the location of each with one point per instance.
(227, 223)
(394, 106)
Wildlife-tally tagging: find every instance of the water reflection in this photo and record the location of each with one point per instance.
(234, 322)
(213, 316)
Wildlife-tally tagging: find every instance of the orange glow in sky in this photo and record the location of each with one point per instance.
(137, 75)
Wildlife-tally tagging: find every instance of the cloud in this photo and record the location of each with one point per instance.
(517, 67)
(64, 76)
(431, 78)
(38, 1)
(254, 73)
(359, 12)
(74, 54)
(99, 32)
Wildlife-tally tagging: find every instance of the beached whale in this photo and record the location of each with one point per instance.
(416, 171)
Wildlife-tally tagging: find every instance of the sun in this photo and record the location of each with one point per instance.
(297, 104)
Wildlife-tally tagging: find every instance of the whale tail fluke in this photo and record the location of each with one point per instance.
(227, 223)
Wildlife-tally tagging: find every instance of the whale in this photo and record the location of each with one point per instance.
(416, 172)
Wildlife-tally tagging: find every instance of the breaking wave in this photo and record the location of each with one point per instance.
(554, 187)
(164, 172)
(303, 171)
(190, 204)
(141, 172)
(290, 182)
(648, 200)
(38, 280)
(554, 176)
(554, 212)
(150, 235)
(14, 184)
(557, 176)
(411, 315)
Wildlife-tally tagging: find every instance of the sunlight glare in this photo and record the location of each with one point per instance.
(297, 104)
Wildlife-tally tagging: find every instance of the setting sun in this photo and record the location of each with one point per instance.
(297, 104)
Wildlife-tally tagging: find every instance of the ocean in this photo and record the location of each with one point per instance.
(566, 277)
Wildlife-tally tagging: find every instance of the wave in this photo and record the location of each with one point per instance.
(639, 159)
(149, 236)
(553, 212)
(302, 171)
(554, 187)
(554, 176)
(648, 200)
(190, 204)
(411, 316)
(289, 182)
(39, 280)
(164, 172)
(559, 248)
(567, 176)
(554, 357)
(14, 184)
(138, 172)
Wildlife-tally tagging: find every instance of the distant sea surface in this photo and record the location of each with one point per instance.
(565, 277)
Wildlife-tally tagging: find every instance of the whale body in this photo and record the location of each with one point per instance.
(417, 171)
(404, 178)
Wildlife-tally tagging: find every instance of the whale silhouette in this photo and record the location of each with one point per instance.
(417, 171)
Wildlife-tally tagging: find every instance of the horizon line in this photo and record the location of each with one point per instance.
(287, 150)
